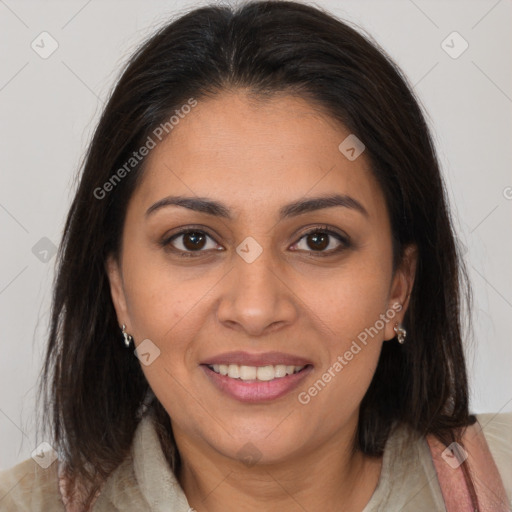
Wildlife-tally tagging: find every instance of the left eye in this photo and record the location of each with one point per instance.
(321, 241)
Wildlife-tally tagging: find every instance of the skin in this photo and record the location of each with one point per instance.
(255, 157)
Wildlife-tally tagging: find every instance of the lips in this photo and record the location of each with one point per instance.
(241, 358)
(256, 391)
(256, 378)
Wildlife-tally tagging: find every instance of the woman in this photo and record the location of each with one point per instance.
(258, 297)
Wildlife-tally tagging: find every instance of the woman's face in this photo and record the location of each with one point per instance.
(249, 285)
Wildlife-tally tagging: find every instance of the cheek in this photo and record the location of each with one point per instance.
(168, 310)
(355, 317)
(350, 298)
(160, 297)
(352, 311)
(352, 351)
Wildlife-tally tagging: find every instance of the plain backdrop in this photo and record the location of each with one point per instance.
(50, 106)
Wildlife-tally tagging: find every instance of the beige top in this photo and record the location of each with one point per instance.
(144, 481)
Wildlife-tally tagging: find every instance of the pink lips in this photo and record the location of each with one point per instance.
(254, 391)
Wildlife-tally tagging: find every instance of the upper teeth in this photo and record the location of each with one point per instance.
(236, 371)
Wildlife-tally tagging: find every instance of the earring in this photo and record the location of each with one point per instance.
(400, 332)
(128, 338)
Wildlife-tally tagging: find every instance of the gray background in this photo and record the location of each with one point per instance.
(50, 107)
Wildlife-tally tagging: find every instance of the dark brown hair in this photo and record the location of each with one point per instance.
(94, 389)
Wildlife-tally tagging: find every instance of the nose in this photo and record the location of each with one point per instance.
(256, 297)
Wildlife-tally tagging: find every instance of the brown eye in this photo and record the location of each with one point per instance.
(322, 241)
(190, 241)
(318, 241)
(194, 240)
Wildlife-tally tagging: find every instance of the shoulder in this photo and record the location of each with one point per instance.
(497, 430)
(30, 487)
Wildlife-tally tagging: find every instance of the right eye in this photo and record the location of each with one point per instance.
(189, 241)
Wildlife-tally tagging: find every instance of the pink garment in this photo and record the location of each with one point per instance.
(486, 478)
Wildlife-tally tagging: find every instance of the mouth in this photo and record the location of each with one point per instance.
(255, 373)
(255, 384)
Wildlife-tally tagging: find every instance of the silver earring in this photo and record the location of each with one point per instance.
(400, 332)
(128, 338)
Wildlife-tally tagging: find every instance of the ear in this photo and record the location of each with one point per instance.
(401, 288)
(117, 290)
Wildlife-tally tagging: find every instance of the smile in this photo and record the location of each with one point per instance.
(261, 373)
(254, 384)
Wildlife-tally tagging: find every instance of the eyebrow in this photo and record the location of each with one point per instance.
(217, 209)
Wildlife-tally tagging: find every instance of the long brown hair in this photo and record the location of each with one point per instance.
(94, 389)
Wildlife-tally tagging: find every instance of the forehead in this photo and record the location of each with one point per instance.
(246, 152)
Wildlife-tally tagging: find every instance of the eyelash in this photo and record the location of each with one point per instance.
(345, 243)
